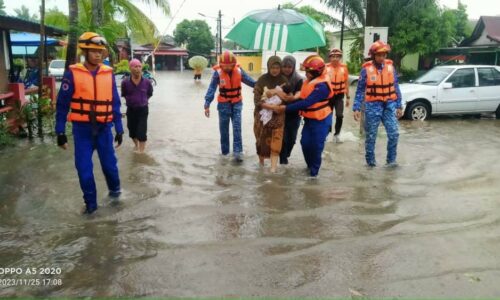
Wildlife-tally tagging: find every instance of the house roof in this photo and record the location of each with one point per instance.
(163, 49)
(13, 23)
(488, 24)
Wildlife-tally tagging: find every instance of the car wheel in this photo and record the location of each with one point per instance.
(418, 111)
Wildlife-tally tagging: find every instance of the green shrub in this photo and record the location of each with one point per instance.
(407, 74)
(122, 67)
(5, 136)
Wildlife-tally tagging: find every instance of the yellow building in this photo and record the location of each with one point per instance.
(251, 64)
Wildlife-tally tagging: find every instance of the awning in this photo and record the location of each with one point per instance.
(171, 53)
(30, 39)
(161, 52)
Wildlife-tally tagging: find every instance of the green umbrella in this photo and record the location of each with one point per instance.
(277, 30)
(198, 62)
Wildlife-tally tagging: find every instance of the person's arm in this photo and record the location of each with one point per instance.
(399, 106)
(150, 89)
(123, 89)
(398, 91)
(209, 97)
(117, 115)
(346, 80)
(64, 101)
(247, 79)
(360, 91)
(320, 93)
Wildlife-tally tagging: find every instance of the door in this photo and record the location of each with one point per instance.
(488, 91)
(461, 95)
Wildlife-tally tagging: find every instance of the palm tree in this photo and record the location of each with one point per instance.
(354, 10)
(108, 12)
(73, 33)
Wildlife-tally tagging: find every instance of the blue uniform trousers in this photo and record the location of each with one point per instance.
(375, 113)
(314, 134)
(85, 144)
(230, 112)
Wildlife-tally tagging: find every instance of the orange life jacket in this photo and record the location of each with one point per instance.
(321, 109)
(380, 86)
(229, 86)
(93, 95)
(339, 77)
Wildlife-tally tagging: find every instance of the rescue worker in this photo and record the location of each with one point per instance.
(228, 77)
(339, 78)
(378, 86)
(88, 92)
(315, 92)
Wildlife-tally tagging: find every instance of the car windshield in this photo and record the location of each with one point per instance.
(434, 76)
(57, 64)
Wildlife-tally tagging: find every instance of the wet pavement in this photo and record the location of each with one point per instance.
(192, 223)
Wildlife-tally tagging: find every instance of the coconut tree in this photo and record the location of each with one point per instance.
(117, 18)
(73, 33)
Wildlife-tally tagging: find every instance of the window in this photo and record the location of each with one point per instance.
(488, 76)
(250, 67)
(463, 78)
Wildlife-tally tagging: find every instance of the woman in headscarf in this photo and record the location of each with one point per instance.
(290, 94)
(269, 137)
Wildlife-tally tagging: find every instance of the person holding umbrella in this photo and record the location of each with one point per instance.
(315, 93)
(228, 76)
(339, 78)
(378, 86)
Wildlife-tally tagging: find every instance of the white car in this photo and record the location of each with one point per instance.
(458, 89)
(56, 68)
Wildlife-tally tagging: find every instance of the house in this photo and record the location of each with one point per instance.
(165, 57)
(482, 47)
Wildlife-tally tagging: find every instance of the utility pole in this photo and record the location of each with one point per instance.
(219, 24)
(342, 26)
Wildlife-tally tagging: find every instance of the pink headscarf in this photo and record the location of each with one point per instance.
(134, 62)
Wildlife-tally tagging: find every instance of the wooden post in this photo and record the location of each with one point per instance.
(41, 57)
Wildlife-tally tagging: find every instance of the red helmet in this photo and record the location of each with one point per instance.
(314, 63)
(335, 51)
(227, 58)
(379, 47)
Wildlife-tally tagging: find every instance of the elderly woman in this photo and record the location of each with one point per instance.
(269, 136)
(137, 90)
(315, 92)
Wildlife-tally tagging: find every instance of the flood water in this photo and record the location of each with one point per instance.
(192, 223)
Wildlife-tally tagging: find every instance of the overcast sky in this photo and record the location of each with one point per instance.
(236, 9)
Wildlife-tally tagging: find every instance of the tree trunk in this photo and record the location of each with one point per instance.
(97, 12)
(73, 33)
(372, 15)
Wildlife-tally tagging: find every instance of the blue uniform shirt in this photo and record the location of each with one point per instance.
(64, 100)
(214, 83)
(361, 90)
(320, 93)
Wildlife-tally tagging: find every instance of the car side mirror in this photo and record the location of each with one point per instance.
(447, 85)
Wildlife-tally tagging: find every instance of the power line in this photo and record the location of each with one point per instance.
(168, 25)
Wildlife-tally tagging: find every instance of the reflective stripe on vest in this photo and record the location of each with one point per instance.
(93, 96)
(229, 86)
(319, 110)
(338, 77)
(380, 86)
